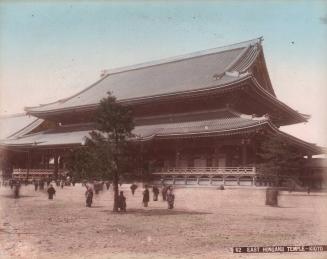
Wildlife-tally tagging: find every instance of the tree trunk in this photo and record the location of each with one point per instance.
(116, 191)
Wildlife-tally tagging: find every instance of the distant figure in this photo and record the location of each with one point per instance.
(62, 183)
(155, 191)
(51, 191)
(89, 196)
(97, 187)
(146, 196)
(308, 190)
(164, 192)
(121, 201)
(73, 181)
(107, 185)
(11, 183)
(16, 189)
(57, 183)
(170, 198)
(36, 185)
(41, 184)
(133, 188)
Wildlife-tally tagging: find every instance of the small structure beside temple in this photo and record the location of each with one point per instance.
(199, 118)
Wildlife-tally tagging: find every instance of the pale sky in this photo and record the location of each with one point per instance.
(51, 50)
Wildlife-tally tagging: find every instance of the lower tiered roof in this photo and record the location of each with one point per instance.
(225, 122)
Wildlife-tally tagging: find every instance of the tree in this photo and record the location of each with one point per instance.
(107, 151)
(278, 157)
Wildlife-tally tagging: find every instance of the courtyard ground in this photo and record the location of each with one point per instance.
(205, 223)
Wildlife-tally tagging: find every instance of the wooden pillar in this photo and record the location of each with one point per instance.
(56, 158)
(244, 154)
(177, 157)
(28, 163)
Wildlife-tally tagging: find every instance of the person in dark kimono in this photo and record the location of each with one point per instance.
(89, 195)
(170, 198)
(41, 184)
(11, 183)
(62, 183)
(146, 196)
(121, 201)
(155, 191)
(164, 192)
(51, 191)
(16, 189)
(36, 185)
(107, 185)
(133, 188)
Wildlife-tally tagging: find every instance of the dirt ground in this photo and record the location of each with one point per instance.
(205, 223)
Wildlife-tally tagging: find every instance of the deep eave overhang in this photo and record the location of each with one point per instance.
(241, 82)
(265, 124)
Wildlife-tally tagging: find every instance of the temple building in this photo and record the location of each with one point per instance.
(198, 118)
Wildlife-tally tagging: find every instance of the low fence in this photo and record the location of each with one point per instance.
(206, 171)
(23, 173)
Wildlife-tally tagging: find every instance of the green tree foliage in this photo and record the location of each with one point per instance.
(277, 157)
(108, 151)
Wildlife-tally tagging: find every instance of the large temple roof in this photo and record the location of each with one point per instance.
(17, 125)
(224, 122)
(192, 72)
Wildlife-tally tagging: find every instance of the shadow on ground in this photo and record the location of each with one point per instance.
(157, 212)
(11, 196)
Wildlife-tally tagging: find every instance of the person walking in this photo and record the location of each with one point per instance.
(133, 188)
(155, 191)
(146, 196)
(121, 201)
(16, 189)
(51, 191)
(36, 185)
(170, 198)
(89, 196)
(62, 183)
(107, 185)
(164, 192)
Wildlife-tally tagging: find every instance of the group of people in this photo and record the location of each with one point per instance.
(167, 195)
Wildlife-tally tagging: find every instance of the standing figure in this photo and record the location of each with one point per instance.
(164, 192)
(107, 185)
(62, 184)
(121, 201)
(89, 196)
(133, 188)
(170, 198)
(51, 191)
(36, 185)
(146, 196)
(16, 189)
(155, 191)
(41, 184)
(11, 183)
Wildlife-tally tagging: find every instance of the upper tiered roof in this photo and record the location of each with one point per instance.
(197, 73)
